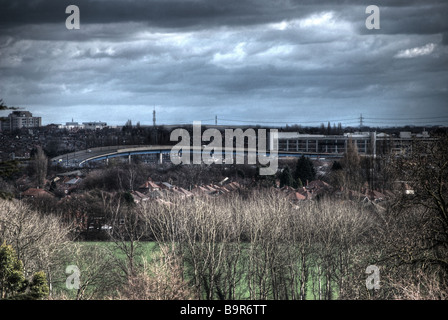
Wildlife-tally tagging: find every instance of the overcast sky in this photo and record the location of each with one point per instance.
(245, 61)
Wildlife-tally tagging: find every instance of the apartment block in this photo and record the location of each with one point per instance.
(20, 119)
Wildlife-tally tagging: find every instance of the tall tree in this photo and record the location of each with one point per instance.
(322, 128)
(13, 283)
(425, 170)
(304, 170)
(286, 178)
(351, 162)
(40, 166)
(12, 279)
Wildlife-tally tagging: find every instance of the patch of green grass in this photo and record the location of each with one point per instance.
(145, 250)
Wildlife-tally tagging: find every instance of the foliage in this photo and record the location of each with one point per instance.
(12, 279)
(38, 286)
(9, 168)
(336, 166)
(39, 242)
(13, 283)
(425, 171)
(346, 173)
(286, 178)
(304, 170)
(127, 198)
(262, 247)
(259, 244)
(5, 107)
(160, 279)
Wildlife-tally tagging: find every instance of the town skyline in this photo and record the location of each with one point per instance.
(361, 122)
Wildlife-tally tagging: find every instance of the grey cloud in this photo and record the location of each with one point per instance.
(445, 38)
(200, 58)
(397, 16)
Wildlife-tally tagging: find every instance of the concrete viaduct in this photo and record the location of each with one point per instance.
(82, 157)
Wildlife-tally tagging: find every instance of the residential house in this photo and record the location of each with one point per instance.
(139, 197)
(186, 192)
(148, 186)
(36, 193)
(166, 186)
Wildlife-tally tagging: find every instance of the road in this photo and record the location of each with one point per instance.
(78, 158)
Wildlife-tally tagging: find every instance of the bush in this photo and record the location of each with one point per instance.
(13, 284)
(39, 242)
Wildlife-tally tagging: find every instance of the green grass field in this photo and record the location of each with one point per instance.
(145, 250)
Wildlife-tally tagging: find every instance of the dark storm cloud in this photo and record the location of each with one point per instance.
(445, 39)
(422, 18)
(241, 58)
(162, 13)
(399, 16)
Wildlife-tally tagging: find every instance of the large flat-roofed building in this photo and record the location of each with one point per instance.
(368, 143)
(20, 119)
(94, 125)
(317, 143)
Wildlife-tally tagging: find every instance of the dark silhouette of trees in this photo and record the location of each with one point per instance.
(5, 107)
(286, 178)
(425, 171)
(304, 171)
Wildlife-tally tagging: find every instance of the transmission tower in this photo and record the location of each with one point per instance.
(154, 128)
(154, 117)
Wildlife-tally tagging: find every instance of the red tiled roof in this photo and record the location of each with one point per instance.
(373, 194)
(318, 184)
(35, 192)
(299, 196)
(186, 192)
(149, 185)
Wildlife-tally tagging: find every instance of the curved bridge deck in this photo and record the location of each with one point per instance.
(81, 157)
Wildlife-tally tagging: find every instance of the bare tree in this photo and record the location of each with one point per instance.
(351, 163)
(97, 275)
(160, 279)
(264, 243)
(202, 236)
(40, 242)
(423, 212)
(421, 286)
(128, 227)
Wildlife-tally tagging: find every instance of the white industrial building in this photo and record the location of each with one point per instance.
(368, 143)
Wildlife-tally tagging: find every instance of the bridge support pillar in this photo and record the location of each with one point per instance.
(129, 158)
(160, 157)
